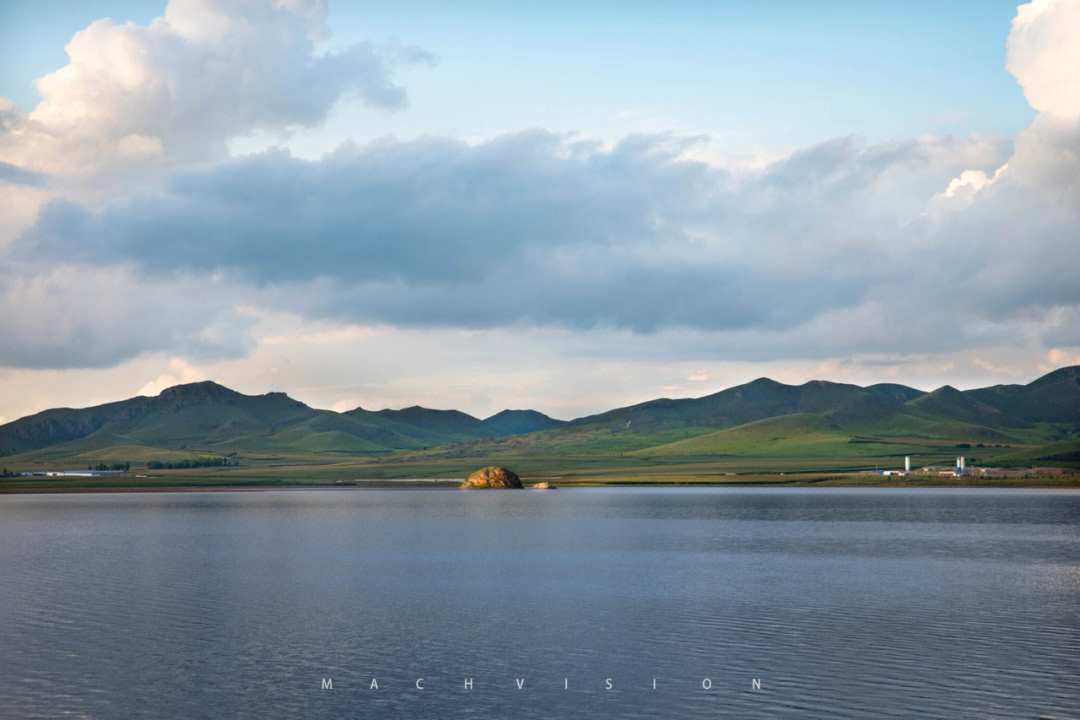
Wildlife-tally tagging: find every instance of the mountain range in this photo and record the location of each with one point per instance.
(212, 417)
(760, 418)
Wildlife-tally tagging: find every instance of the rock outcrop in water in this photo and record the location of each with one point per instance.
(492, 478)
(543, 486)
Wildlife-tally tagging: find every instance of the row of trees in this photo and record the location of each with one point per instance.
(186, 464)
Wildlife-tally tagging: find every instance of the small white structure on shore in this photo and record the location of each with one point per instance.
(905, 471)
(960, 465)
(71, 473)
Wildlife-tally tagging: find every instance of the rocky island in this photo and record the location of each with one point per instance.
(492, 477)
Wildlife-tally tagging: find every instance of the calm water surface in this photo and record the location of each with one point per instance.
(843, 603)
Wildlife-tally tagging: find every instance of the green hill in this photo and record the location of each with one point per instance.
(452, 425)
(207, 417)
(201, 413)
(519, 422)
(1054, 397)
(440, 427)
(765, 423)
(757, 400)
(948, 402)
(800, 434)
(766, 419)
(899, 393)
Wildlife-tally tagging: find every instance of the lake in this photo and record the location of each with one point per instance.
(743, 603)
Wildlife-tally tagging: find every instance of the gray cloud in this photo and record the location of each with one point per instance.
(839, 248)
(20, 176)
(527, 227)
(70, 316)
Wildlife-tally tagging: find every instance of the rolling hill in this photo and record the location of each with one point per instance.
(841, 423)
(206, 417)
(757, 400)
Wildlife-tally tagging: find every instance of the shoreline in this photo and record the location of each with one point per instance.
(1065, 481)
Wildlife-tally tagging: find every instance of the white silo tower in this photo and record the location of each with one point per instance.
(907, 463)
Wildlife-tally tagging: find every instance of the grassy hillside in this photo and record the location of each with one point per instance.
(443, 425)
(761, 427)
(1053, 398)
(801, 434)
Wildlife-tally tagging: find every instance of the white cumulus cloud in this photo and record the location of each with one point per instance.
(1044, 55)
(179, 88)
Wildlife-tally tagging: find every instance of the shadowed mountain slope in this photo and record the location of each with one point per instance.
(757, 400)
(1054, 397)
(519, 422)
(893, 391)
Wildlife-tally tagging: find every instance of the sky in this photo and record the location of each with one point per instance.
(563, 206)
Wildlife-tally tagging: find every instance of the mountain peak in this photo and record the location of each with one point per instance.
(1071, 372)
(204, 389)
(511, 413)
(516, 422)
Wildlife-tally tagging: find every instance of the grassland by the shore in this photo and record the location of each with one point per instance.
(449, 474)
(752, 462)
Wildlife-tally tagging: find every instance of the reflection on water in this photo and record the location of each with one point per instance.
(844, 603)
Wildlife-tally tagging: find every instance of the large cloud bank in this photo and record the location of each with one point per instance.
(931, 243)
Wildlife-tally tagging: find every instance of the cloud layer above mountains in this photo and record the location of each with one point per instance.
(531, 228)
(837, 249)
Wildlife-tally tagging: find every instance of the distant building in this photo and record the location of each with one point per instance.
(72, 473)
(905, 471)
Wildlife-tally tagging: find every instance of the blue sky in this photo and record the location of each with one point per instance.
(761, 74)
(565, 206)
